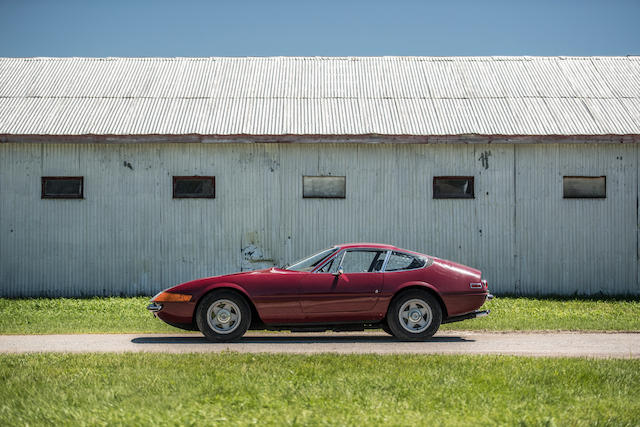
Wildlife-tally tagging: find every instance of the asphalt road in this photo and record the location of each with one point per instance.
(567, 344)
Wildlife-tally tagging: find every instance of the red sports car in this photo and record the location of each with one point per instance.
(344, 288)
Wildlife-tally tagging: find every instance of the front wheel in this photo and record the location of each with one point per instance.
(414, 315)
(223, 316)
(386, 328)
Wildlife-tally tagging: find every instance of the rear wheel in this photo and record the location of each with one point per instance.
(223, 316)
(414, 315)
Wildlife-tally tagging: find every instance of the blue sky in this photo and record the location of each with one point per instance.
(323, 28)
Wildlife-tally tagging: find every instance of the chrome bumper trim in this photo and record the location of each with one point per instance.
(154, 307)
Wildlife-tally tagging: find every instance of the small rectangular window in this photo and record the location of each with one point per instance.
(453, 187)
(584, 187)
(324, 187)
(62, 187)
(194, 187)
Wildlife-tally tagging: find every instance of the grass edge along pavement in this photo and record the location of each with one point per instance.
(318, 389)
(129, 315)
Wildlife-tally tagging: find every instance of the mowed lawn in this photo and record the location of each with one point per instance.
(112, 315)
(207, 389)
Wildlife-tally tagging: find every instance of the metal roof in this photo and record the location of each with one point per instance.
(320, 96)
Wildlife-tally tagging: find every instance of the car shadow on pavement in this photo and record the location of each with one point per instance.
(280, 339)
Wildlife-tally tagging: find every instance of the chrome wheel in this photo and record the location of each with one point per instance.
(415, 315)
(223, 316)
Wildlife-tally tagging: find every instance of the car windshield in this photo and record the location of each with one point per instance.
(309, 263)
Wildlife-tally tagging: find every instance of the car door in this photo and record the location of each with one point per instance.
(348, 283)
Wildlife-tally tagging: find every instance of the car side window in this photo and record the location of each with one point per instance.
(363, 261)
(331, 266)
(400, 261)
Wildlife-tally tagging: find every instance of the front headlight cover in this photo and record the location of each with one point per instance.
(165, 296)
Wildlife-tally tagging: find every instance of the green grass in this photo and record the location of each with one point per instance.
(69, 315)
(104, 315)
(556, 314)
(206, 389)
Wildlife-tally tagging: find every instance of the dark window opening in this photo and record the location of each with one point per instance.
(453, 187)
(584, 187)
(194, 187)
(62, 187)
(324, 187)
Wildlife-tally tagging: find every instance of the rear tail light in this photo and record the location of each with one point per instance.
(478, 285)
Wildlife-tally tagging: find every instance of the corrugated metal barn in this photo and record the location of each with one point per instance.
(127, 176)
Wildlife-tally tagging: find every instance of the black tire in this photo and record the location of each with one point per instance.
(424, 303)
(233, 304)
(386, 328)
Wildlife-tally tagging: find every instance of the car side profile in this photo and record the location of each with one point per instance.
(346, 287)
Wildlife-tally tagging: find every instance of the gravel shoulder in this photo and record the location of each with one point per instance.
(547, 344)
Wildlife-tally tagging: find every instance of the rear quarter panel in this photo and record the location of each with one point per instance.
(449, 280)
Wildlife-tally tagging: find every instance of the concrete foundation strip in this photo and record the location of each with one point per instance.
(552, 344)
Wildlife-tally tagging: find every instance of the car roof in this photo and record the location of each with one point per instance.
(367, 245)
(376, 246)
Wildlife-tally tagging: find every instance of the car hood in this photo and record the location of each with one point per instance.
(197, 284)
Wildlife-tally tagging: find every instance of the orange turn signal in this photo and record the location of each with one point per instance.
(171, 297)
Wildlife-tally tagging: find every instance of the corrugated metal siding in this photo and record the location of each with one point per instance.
(129, 236)
(321, 96)
(578, 245)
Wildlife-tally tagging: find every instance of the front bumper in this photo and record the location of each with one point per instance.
(179, 315)
(154, 307)
(173, 312)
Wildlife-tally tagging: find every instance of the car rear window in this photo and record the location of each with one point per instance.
(401, 261)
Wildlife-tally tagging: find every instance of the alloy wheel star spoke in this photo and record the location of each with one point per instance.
(415, 316)
(224, 316)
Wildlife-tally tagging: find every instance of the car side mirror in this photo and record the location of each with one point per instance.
(339, 273)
